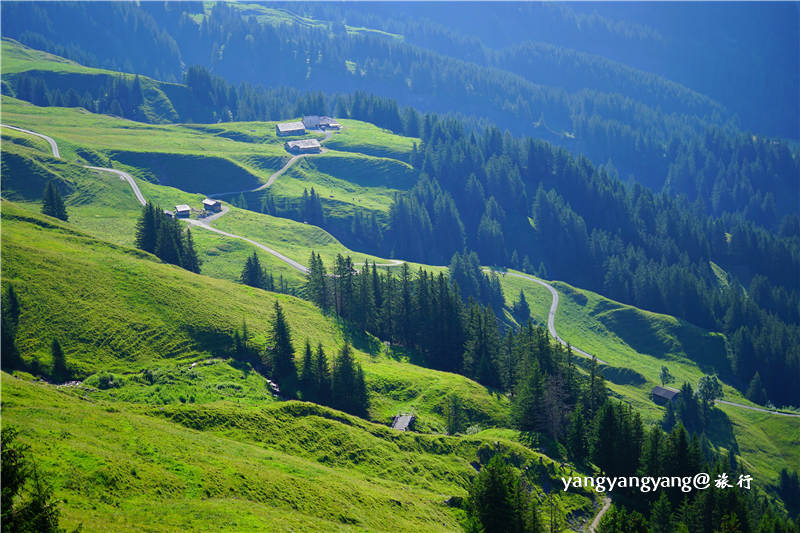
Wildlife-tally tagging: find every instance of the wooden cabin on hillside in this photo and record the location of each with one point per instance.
(304, 146)
(209, 204)
(290, 128)
(663, 396)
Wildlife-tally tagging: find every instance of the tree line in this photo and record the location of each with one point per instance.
(339, 384)
(533, 204)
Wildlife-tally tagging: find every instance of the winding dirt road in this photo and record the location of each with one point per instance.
(599, 516)
(205, 224)
(276, 175)
(53, 145)
(551, 317)
(551, 327)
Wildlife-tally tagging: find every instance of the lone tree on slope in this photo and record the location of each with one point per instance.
(281, 353)
(53, 203)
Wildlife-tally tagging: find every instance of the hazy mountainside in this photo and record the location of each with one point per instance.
(527, 205)
(701, 46)
(193, 342)
(344, 60)
(633, 119)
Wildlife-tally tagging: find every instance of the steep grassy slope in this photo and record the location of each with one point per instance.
(636, 343)
(63, 74)
(346, 182)
(126, 312)
(191, 431)
(281, 466)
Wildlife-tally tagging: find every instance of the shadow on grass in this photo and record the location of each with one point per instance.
(719, 430)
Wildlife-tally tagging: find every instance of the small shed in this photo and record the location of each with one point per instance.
(290, 128)
(404, 422)
(663, 396)
(209, 204)
(304, 146)
(182, 211)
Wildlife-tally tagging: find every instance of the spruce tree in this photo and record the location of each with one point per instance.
(322, 377)
(576, 435)
(307, 381)
(361, 404)
(28, 503)
(252, 273)
(52, 202)
(521, 309)
(10, 358)
(665, 376)
(316, 282)
(281, 354)
(453, 414)
(661, 515)
(190, 260)
(499, 503)
(348, 385)
(756, 392)
(147, 228)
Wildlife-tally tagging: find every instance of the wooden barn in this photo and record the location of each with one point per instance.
(304, 146)
(290, 128)
(182, 211)
(663, 396)
(209, 204)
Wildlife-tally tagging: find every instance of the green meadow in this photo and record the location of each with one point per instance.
(190, 432)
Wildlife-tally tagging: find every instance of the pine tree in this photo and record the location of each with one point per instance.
(60, 370)
(190, 260)
(281, 354)
(307, 381)
(521, 309)
(147, 228)
(322, 377)
(52, 202)
(253, 274)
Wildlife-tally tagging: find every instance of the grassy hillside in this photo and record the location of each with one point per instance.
(186, 428)
(285, 466)
(126, 312)
(635, 343)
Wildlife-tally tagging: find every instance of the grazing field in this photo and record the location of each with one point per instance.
(190, 465)
(126, 312)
